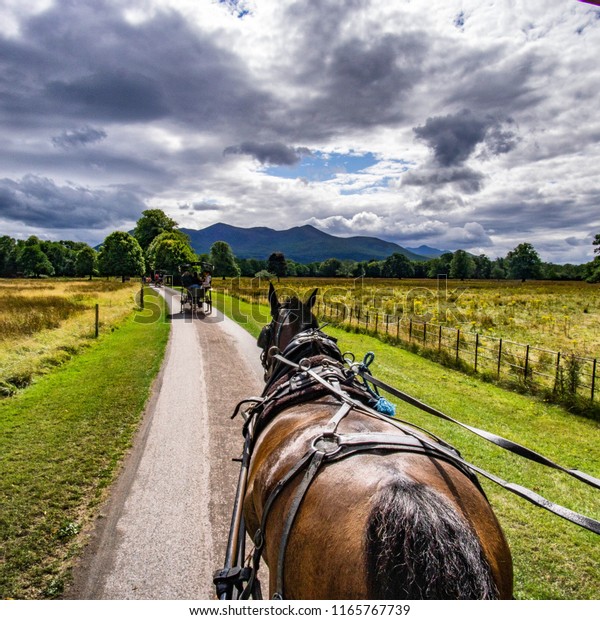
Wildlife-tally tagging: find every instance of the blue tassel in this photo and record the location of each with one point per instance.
(384, 406)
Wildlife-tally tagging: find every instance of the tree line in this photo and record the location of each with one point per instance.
(157, 245)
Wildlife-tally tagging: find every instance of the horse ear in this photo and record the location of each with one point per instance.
(312, 299)
(273, 300)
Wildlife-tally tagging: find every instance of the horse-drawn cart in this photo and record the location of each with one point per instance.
(196, 291)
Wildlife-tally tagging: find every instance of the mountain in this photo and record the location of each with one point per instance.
(427, 251)
(302, 244)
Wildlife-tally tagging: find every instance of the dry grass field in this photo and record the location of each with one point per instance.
(44, 322)
(561, 316)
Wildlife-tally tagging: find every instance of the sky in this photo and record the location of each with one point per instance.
(470, 124)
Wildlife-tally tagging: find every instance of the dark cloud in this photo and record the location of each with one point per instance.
(274, 153)
(454, 137)
(110, 95)
(347, 82)
(83, 136)
(465, 179)
(84, 60)
(39, 202)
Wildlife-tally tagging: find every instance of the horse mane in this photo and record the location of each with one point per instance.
(419, 547)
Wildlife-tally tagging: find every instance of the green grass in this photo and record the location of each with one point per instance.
(553, 558)
(61, 441)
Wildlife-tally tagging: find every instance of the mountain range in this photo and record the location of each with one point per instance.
(302, 244)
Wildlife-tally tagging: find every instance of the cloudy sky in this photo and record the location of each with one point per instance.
(468, 124)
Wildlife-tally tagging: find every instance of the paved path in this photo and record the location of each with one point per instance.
(164, 530)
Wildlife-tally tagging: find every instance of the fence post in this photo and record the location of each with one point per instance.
(425, 333)
(142, 297)
(526, 363)
(398, 330)
(556, 376)
(410, 331)
(376, 320)
(440, 339)
(387, 323)
(499, 356)
(457, 343)
(593, 378)
(97, 329)
(476, 349)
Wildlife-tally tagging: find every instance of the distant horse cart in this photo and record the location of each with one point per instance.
(196, 293)
(344, 501)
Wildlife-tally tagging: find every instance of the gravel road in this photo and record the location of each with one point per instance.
(164, 529)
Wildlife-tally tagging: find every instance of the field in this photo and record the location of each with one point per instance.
(538, 337)
(562, 316)
(63, 438)
(553, 559)
(44, 322)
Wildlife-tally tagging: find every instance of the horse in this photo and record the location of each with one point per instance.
(346, 503)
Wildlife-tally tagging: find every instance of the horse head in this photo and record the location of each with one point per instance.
(288, 319)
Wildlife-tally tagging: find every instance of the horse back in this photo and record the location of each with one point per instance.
(377, 524)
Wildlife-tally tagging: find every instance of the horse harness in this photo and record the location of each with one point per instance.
(316, 377)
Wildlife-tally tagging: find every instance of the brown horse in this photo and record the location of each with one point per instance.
(345, 503)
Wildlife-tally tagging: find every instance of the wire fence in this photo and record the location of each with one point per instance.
(567, 375)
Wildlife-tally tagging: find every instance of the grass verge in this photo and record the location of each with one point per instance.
(553, 558)
(61, 442)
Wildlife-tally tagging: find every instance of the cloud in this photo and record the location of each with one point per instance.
(39, 202)
(83, 136)
(454, 137)
(463, 178)
(109, 95)
(274, 153)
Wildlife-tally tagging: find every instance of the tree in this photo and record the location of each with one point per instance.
(276, 264)
(33, 262)
(397, 266)
(8, 256)
(596, 242)
(61, 257)
(121, 255)
(483, 266)
(170, 250)
(462, 265)
(223, 260)
(152, 223)
(86, 261)
(330, 268)
(524, 262)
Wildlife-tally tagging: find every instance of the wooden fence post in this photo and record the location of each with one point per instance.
(376, 320)
(557, 374)
(457, 343)
(142, 297)
(410, 331)
(97, 328)
(476, 349)
(398, 330)
(593, 378)
(526, 368)
(425, 333)
(499, 355)
(440, 339)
